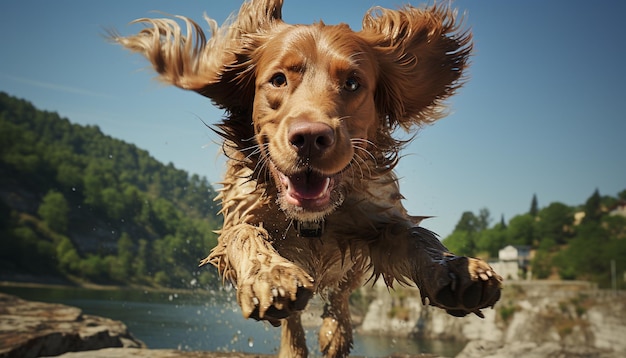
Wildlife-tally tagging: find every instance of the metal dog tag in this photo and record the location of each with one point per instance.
(310, 228)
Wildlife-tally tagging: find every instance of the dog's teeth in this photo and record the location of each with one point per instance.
(323, 192)
(282, 292)
(274, 292)
(255, 301)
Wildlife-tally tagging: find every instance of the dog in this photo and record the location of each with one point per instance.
(310, 200)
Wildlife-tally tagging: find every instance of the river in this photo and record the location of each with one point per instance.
(206, 321)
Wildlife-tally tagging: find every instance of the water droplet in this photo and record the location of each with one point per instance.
(250, 342)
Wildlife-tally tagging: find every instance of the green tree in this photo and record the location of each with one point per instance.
(54, 211)
(534, 206)
(106, 184)
(120, 266)
(140, 264)
(69, 176)
(93, 267)
(463, 240)
(521, 230)
(67, 256)
(473, 223)
(555, 224)
(503, 224)
(593, 207)
(461, 243)
(125, 252)
(490, 241)
(113, 203)
(541, 264)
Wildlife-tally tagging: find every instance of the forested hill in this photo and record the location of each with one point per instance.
(80, 204)
(582, 242)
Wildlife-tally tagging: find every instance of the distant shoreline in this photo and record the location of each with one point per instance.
(53, 282)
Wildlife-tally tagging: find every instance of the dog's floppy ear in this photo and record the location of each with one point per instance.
(219, 68)
(422, 54)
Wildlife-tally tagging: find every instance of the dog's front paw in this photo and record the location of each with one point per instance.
(273, 291)
(464, 285)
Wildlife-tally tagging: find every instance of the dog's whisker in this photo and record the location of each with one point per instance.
(360, 150)
(260, 168)
(368, 153)
(367, 166)
(355, 160)
(260, 159)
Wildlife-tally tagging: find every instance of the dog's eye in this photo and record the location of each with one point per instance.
(352, 84)
(278, 80)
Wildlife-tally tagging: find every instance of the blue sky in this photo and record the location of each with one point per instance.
(541, 114)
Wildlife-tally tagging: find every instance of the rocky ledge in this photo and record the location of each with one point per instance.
(35, 329)
(156, 353)
(539, 319)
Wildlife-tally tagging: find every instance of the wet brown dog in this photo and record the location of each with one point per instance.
(309, 199)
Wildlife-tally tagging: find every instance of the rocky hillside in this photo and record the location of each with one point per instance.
(533, 318)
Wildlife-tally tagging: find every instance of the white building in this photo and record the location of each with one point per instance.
(513, 262)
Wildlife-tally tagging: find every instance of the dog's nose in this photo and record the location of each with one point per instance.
(311, 138)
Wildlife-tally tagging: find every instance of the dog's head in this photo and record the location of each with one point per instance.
(313, 108)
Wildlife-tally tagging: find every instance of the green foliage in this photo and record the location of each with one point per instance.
(461, 243)
(555, 224)
(93, 268)
(67, 256)
(140, 263)
(582, 251)
(534, 206)
(521, 230)
(54, 211)
(473, 223)
(490, 241)
(541, 264)
(506, 312)
(92, 192)
(464, 240)
(593, 209)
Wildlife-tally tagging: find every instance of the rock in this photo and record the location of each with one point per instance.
(525, 349)
(533, 319)
(168, 353)
(157, 353)
(607, 321)
(34, 329)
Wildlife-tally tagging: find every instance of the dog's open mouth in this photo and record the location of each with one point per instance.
(309, 190)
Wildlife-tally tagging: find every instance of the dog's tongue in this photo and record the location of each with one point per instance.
(307, 185)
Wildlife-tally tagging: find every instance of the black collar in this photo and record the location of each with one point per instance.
(310, 228)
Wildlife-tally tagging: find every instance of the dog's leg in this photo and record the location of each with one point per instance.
(460, 285)
(335, 335)
(292, 340)
(269, 287)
